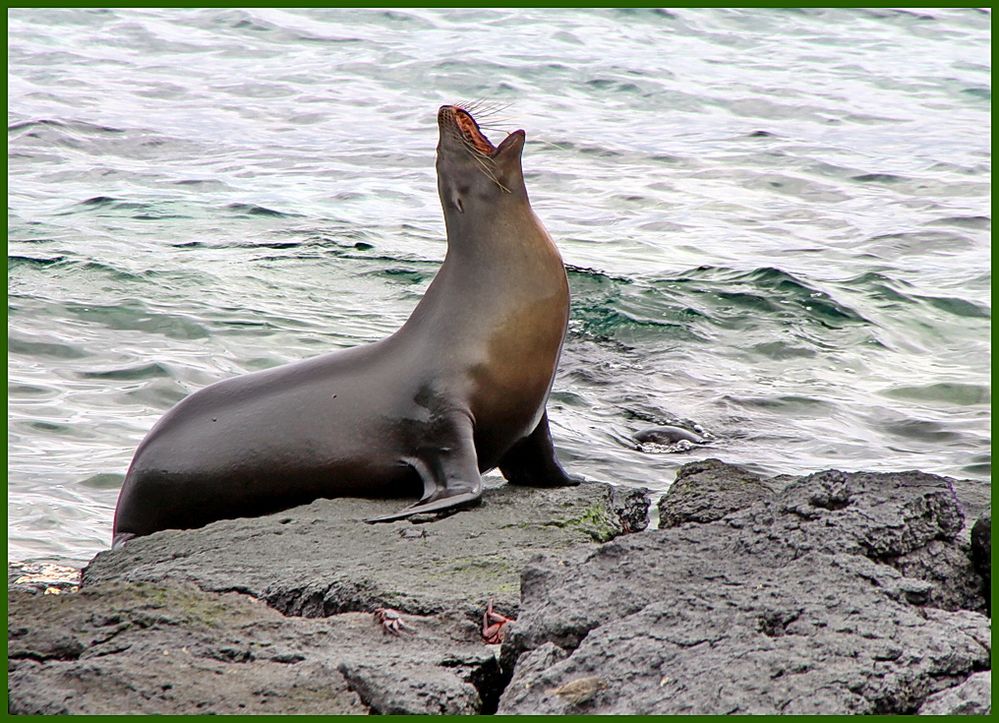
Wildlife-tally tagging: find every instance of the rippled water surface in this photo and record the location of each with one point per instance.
(777, 225)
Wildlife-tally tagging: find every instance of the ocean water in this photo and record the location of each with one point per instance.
(776, 223)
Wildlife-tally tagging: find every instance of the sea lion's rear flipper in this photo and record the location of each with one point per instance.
(449, 470)
(532, 461)
(438, 504)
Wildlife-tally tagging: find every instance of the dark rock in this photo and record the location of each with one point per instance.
(792, 604)
(975, 497)
(408, 689)
(708, 490)
(322, 559)
(173, 622)
(832, 593)
(981, 555)
(981, 545)
(631, 507)
(155, 649)
(946, 564)
(972, 697)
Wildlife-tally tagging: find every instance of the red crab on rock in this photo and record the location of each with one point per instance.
(391, 621)
(492, 625)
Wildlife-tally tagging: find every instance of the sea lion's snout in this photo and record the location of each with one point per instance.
(460, 123)
(466, 158)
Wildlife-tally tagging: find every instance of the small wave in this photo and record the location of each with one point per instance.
(583, 272)
(878, 178)
(145, 371)
(79, 126)
(13, 261)
(957, 307)
(796, 403)
(603, 305)
(56, 350)
(945, 392)
(132, 315)
(789, 288)
(924, 430)
(278, 245)
(104, 481)
(99, 201)
(139, 210)
(409, 276)
(587, 150)
(63, 265)
(53, 427)
(601, 321)
(979, 91)
(252, 209)
(920, 242)
(978, 223)
(31, 390)
(617, 86)
(779, 350)
(982, 467)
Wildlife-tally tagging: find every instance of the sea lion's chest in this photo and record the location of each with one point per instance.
(510, 381)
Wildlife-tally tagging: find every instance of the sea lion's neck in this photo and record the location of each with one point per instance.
(495, 262)
(505, 232)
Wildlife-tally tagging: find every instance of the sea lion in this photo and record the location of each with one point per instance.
(459, 389)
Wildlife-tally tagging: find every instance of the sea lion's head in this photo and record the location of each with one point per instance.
(473, 175)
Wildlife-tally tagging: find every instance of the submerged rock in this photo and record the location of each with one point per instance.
(667, 439)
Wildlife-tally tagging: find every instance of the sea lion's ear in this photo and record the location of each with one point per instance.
(511, 147)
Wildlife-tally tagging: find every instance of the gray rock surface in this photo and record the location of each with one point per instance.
(831, 593)
(975, 496)
(322, 559)
(148, 648)
(793, 604)
(981, 554)
(708, 490)
(174, 622)
(981, 545)
(972, 697)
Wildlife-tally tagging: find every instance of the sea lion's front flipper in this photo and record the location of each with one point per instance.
(449, 470)
(532, 461)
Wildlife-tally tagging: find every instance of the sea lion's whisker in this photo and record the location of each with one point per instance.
(489, 173)
(491, 109)
(485, 162)
(487, 166)
(497, 128)
(473, 106)
(543, 142)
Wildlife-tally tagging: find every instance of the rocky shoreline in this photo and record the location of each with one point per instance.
(830, 593)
